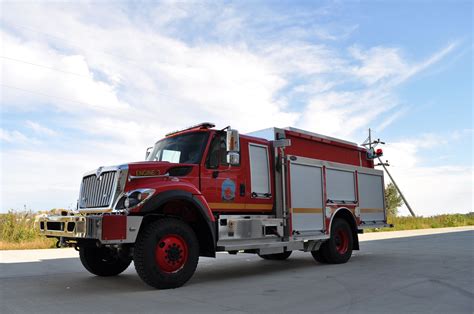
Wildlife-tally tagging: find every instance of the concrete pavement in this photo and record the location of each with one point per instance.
(395, 272)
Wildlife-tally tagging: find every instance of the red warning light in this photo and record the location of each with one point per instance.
(379, 152)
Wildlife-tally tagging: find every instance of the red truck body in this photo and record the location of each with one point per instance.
(287, 189)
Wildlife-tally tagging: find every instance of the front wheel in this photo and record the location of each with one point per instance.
(166, 253)
(276, 256)
(338, 249)
(104, 261)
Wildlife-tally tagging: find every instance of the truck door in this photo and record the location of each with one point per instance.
(259, 171)
(306, 199)
(222, 186)
(371, 197)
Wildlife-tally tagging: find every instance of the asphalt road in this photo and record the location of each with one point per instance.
(417, 272)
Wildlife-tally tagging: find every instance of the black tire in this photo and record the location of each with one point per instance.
(319, 256)
(166, 253)
(103, 261)
(338, 249)
(276, 256)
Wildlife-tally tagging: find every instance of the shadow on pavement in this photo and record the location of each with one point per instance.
(68, 272)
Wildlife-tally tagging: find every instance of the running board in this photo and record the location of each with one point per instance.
(270, 246)
(374, 224)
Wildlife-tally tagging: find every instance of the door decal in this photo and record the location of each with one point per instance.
(228, 190)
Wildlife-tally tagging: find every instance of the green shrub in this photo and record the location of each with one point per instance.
(18, 231)
(17, 226)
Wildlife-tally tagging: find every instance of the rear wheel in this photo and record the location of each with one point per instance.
(338, 249)
(104, 261)
(166, 253)
(276, 256)
(319, 256)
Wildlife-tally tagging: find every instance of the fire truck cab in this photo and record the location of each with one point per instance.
(203, 190)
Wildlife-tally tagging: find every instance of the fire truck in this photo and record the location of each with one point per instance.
(202, 190)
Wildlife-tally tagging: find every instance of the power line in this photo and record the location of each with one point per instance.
(69, 42)
(51, 96)
(136, 63)
(73, 100)
(72, 73)
(79, 47)
(43, 66)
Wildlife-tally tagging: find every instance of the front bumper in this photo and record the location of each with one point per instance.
(107, 229)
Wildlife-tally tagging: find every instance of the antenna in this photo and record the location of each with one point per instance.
(368, 141)
(370, 146)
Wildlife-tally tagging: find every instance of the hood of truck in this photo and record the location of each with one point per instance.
(157, 168)
(160, 175)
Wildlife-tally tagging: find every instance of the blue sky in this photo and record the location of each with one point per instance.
(87, 84)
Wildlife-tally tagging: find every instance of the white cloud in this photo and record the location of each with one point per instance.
(126, 81)
(45, 178)
(390, 119)
(52, 79)
(40, 129)
(378, 63)
(12, 136)
(431, 189)
(345, 112)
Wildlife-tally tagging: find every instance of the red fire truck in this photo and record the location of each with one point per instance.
(202, 190)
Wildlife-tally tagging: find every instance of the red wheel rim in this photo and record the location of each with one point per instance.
(171, 253)
(342, 241)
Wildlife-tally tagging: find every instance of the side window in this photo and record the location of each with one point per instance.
(217, 152)
(259, 171)
(212, 161)
(222, 150)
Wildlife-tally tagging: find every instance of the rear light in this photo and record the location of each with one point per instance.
(373, 153)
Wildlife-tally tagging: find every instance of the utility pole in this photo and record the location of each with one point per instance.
(396, 186)
(372, 154)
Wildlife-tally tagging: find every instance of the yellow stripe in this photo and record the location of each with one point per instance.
(371, 210)
(240, 206)
(307, 210)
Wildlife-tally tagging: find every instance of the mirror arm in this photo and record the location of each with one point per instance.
(215, 173)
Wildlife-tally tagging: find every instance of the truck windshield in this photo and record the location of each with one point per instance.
(185, 149)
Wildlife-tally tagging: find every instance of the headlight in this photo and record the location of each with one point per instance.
(130, 202)
(134, 199)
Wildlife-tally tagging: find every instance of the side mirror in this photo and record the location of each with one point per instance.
(147, 153)
(233, 147)
(233, 158)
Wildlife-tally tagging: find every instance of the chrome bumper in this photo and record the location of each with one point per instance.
(85, 227)
(108, 229)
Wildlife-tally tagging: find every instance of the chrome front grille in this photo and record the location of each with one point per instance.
(97, 192)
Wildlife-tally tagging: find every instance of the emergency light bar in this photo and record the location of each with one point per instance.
(204, 125)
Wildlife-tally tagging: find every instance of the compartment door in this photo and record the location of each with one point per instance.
(371, 198)
(306, 197)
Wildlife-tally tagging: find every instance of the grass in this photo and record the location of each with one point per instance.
(37, 243)
(18, 231)
(439, 221)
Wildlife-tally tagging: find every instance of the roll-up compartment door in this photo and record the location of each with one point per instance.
(340, 185)
(371, 197)
(306, 197)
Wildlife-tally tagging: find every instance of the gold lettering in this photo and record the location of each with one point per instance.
(146, 173)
